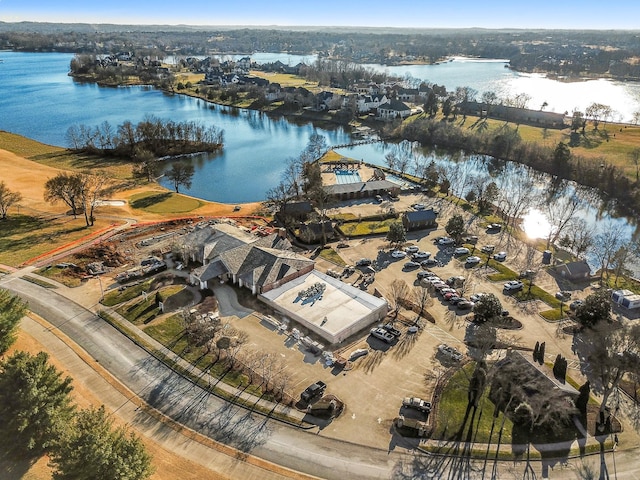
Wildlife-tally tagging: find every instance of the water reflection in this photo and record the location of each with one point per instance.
(535, 224)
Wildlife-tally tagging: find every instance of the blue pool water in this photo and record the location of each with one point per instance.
(347, 176)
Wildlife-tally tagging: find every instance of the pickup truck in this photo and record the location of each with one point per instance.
(314, 390)
(417, 403)
(392, 330)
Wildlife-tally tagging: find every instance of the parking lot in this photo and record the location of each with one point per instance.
(374, 388)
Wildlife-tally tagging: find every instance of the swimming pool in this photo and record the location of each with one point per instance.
(347, 176)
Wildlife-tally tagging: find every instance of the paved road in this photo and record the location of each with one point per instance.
(192, 406)
(300, 450)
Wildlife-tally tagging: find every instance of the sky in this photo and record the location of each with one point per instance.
(545, 14)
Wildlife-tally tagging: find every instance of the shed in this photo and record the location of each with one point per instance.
(574, 271)
(419, 219)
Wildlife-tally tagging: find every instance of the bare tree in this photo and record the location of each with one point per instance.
(610, 238)
(64, 187)
(422, 297)
(7, 199)
(560, 210)
(398, 291)
(613, 351)
(93, 186)
(181, 174)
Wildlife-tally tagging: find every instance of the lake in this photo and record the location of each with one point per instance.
(41, 101)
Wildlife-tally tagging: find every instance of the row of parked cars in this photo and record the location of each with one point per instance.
(446, 288)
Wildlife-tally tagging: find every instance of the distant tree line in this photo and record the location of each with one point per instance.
(561, 52)
(158, 137)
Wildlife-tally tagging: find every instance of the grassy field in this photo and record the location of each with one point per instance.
(164, 202)
(23, 237)
(332, 256)
(453, 405)
(366, 227)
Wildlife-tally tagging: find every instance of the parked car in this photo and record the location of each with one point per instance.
(472, 260)
(461, 251)
(430, 262)
(446, 241)
(392, 330)
(455, 281)
(313, 391)
(343, 245)
(381, 334)
(450, 352)
(360, 352)
(448, 295)
(363, 262)
(500, 256)
(527, 274)
(417, 403)
(413, 329)
(426, 274)
(513, 286)
(411, 265)
(378, 199)
(495, 227)
(563, 295)
(488, 248)
(465, 305)
(476, 296)
(411, 249)
(444, 290)
(418, 206)
(421, 255)
(576, 304)
(398, 254)
(454, 300)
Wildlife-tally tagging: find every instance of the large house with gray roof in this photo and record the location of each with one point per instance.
(228, 253)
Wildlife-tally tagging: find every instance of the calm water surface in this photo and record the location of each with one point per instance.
(40, 101)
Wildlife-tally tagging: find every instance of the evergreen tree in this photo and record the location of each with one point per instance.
(34, 404)
(91, 448)
(12, 309)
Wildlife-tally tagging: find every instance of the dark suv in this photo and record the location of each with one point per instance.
(312, 391)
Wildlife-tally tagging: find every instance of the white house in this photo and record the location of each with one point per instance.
(393, 109)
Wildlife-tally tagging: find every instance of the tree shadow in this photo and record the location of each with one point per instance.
(150, 200)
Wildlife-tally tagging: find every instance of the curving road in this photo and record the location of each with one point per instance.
(300, 450)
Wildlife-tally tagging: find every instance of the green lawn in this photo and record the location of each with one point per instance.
(164, 202)
(116, 296)
(366, 227)
(453, 405)
(331, 255)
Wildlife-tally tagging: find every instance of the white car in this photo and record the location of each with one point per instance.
(473, 260)
(398, 254)
(500, 256)
(446, 241)
(450, 352)
(421, 255)
(418, 206)
(461, 251)
(514, 285)
(411, 249)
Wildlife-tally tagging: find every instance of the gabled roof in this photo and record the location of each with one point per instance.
(395, 105)
(261, 265)
(574, 269)
(420, 216)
